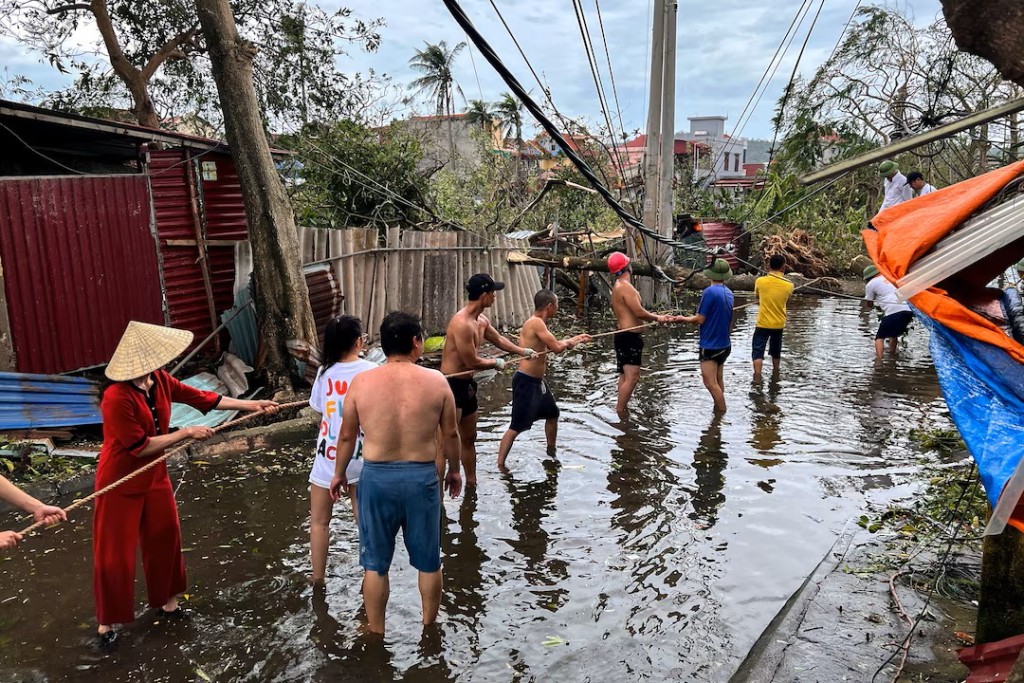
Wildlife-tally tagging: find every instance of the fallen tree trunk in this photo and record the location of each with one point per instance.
(687, 278)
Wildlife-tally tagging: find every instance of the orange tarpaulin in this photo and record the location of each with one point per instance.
(906, 232)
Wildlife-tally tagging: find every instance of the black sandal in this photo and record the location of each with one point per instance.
(105, 642)
(179, 613)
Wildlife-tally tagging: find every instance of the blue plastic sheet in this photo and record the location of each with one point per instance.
(984, 389)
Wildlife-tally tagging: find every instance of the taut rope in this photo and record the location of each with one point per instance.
(150, 465)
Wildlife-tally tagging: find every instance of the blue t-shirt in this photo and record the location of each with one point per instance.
(716, 307)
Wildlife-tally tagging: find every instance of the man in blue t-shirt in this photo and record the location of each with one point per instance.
(714, 315)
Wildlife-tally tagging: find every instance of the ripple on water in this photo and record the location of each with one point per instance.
(655, 547)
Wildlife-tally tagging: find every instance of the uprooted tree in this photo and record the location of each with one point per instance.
(282, 300)
(157, 52)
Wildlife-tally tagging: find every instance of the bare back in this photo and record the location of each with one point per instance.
(399, 406)
(531, 337)
(626, 305)
(463, 329)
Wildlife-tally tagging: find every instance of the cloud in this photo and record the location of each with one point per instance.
(723, 50)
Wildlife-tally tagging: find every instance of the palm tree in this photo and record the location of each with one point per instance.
(435, 63)
(479, 113)
(509, 111)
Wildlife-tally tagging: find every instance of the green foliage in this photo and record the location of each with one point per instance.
(28, 462)
(435, 62)
(345, 170)
(942, 440)
(296, 65)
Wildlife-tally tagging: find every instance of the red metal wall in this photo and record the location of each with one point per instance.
(79, 262)
(721, 234)
(224, 218)
(221, 216)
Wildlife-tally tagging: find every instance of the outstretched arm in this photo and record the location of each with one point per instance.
(503, 343)
(632, 301)
(468, 352)
(554, 345)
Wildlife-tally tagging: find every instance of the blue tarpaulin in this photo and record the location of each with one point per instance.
(984, 389)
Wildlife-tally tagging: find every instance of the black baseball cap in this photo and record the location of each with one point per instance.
(482, 283)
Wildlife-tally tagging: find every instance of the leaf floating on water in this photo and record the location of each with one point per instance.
(554, 641)
(203, 675)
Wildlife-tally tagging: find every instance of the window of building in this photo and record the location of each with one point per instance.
(736, 162)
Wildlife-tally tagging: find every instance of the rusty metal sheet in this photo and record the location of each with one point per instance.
(79, 262)
(720, 234)
(29, 401)
(324, 296)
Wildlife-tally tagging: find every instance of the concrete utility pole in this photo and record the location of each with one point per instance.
(659, 163)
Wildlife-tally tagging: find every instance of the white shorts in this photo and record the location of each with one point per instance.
(323, 472)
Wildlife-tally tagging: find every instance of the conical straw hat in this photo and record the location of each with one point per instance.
(145, 348)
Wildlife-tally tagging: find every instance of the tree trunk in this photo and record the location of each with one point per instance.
(992, 30)
(281, 297)
(1001, 596)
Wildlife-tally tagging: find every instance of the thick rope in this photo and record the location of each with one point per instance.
(150, 465)
(520, 359)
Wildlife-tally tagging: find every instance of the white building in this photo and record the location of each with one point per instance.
(727, 155)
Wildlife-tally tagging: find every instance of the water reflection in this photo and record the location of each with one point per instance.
(709, 462)
(629, 550)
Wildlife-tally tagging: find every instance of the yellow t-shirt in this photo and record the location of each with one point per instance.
(772, 293)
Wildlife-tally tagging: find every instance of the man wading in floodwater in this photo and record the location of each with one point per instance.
(531, 397)
(400, 407)
(466, 330)
(629, 313)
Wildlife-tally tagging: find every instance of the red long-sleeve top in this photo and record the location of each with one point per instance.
(131, 417)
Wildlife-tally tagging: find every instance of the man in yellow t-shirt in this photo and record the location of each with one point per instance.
(772, 291)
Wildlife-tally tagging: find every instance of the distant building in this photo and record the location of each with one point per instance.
(726, 154)
(451, 141)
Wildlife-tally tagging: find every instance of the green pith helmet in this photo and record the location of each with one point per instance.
(1020, 266)
(719, 270)
(870, 272)
(887, 167)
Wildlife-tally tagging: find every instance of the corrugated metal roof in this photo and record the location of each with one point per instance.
(78, 262)
(30, 401)
(187, 416)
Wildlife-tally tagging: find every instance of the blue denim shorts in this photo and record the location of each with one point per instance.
(399, 495)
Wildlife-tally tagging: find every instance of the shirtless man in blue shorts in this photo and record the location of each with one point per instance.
(400, 407)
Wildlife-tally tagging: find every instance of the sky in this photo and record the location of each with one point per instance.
(723, 50)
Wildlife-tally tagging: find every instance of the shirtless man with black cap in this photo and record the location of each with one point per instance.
(466, 331)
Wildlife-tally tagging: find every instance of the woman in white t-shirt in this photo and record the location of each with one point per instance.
(343, 340)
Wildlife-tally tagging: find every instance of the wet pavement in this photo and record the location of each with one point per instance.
(654, 548)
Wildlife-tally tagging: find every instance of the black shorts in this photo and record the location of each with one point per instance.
(894, 325)
(465, 394)
(765, 336)
(717, 355)
(531, 401)
(629, 349)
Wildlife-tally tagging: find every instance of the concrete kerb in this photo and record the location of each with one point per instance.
(224, 447)
(762, 662)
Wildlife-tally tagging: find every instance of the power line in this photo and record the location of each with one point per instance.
(611, 72)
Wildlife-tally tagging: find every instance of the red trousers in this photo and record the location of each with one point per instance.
(121, 524)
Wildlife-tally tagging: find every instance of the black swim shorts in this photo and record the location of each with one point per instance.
(894, 325)
(629, 349)
(464, 389)
(765, 336)
(717, 355)
(531, 401)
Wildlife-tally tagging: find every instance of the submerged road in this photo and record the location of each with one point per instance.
(655, 548)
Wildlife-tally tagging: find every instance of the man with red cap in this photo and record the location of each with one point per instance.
(629, 313)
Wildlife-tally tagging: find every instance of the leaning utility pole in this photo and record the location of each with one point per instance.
(659, 159)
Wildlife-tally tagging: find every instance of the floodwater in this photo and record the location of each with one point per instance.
(656, 548)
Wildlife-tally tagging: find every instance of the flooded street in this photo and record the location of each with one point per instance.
(656, 548)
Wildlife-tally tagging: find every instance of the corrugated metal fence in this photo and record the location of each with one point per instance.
(419, 272)
(79, 262)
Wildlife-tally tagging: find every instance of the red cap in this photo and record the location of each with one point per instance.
(617, 262)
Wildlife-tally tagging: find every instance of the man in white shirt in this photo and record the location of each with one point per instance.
(916, 181)
(895, 185)
(896, 314)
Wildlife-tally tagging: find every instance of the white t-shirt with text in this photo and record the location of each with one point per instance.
(327, 398)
